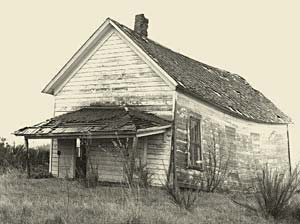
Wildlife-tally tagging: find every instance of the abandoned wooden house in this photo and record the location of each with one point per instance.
(171, 110)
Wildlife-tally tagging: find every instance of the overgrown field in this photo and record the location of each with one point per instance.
(52, 200)
(14, 157)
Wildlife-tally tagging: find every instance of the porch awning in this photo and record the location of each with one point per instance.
(98, 122)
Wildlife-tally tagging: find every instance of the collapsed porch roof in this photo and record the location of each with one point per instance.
(98, 122)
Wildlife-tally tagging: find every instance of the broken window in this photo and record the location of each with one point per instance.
(195, 154)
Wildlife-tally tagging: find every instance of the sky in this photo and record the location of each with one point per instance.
(257, 39)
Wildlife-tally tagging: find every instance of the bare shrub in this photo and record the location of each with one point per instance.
(145, 176)
(273, 191)
(215, 165)
(121, 150)
(135, 175)
(185, 198)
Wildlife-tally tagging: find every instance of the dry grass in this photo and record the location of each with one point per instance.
(46, 201)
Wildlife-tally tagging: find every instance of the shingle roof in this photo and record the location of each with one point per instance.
(95, 120)
(227, 91)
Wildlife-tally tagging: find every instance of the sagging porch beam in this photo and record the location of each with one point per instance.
(77, 136)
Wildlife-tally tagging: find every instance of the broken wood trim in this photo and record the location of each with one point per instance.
(27, 158)
(152, 131)
(139, 133)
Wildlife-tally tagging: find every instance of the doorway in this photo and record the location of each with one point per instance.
(81, 162)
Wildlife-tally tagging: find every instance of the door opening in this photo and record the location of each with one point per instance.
(81, 161)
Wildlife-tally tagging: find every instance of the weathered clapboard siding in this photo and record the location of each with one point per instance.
(116, 75)
(108, 163)
(250, 143)
(54, 158)
(158, 156)
(105, 161)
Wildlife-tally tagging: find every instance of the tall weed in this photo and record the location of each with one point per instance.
(273, 191)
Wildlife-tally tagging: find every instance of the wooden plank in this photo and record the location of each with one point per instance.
(158, 162)
(112, 46)
(116, 70)
(120, 81)
(114, 58)
(113, 51)
(102, 66)
(161, 166)
(113, 86)
(115, 55)
(103, 77)
(111, 70)
(97, 94)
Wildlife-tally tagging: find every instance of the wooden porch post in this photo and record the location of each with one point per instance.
(27, 157)
(132, 157)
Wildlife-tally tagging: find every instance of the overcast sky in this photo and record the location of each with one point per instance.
(259, 40)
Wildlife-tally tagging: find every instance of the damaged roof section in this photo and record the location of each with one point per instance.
(227, 91)
(95, 121)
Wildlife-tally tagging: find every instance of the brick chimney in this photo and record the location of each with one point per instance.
(141, 25)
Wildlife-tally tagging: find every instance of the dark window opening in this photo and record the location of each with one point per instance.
(195, 153)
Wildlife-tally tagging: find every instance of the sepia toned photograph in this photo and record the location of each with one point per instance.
(142, 112)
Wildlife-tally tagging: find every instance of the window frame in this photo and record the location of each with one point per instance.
(198, 145)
